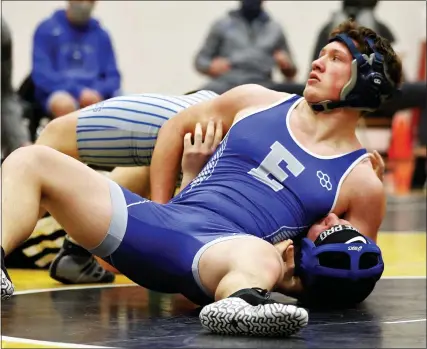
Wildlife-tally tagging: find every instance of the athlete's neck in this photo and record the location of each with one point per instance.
(337, 125)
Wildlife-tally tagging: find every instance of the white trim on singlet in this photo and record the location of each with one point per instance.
(261, 109)
(256, 111)
(322, 157)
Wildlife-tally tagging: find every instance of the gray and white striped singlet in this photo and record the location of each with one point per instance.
(122, 131)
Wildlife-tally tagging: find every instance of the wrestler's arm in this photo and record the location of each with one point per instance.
(165, 164)
(166, 160)
(366, 207)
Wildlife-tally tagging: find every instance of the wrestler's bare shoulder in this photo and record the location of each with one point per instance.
(257, 94)
(258, 98)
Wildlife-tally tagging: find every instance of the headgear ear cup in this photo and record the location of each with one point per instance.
(379, 76)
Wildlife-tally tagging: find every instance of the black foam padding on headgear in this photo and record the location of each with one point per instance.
(339, 233)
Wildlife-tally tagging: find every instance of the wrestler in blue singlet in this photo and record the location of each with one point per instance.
(260, 182)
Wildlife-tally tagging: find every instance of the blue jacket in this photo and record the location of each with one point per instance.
(70, 58)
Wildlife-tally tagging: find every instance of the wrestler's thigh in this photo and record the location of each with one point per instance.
(75, 195)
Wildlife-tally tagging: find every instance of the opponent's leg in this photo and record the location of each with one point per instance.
(60, 134)
(76, 196)
(135, 179)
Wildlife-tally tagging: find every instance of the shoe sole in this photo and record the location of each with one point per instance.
(235, 316)
(7, 288)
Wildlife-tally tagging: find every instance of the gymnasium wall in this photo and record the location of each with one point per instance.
(156, 41)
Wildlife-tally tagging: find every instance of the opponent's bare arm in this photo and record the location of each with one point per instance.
(366, 208)
(165, 164)
(248, 263)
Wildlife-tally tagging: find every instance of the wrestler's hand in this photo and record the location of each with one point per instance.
(196, 155)
(377, 164)
(290, 284)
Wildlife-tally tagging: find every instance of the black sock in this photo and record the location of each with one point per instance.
(254, 296)
(72, 247)
(3, 266)
(2, 257)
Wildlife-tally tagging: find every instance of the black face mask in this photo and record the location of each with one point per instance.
(353, 7)
(251, 9)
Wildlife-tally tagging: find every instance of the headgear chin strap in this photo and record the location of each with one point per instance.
(369, 84)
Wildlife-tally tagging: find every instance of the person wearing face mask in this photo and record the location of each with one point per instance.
(243, 47)
(362, 11)
(73, 61)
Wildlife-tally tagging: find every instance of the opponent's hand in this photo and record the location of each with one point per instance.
(196, 155)
(290, 284)
(377, 164)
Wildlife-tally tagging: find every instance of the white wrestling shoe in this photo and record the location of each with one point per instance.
(235, 316)
(7, 288)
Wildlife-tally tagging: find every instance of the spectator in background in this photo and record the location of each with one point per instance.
(73, 60)
(362, 11)
(14, 133)
(244, 47)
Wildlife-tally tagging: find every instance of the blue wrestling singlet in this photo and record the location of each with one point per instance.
(260, 182)
(263, 180)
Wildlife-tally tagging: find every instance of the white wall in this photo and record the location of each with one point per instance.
(156, 41)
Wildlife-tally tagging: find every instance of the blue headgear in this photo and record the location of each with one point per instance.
(369, 84)
(359, 277)
(312, 270)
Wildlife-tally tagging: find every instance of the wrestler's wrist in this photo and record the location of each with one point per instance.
(186, 179)
(188, 176)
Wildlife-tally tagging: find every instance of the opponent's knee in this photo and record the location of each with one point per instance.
(61, 103)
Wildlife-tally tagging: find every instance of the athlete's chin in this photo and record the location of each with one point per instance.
(312, 94)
